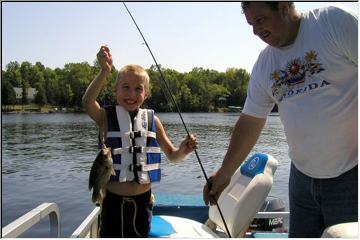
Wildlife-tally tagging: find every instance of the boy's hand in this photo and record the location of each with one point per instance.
(189, 144)
(105, 59)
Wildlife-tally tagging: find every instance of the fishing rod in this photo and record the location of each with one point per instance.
(179, 112)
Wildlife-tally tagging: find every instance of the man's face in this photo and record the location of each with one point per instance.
(270, 26)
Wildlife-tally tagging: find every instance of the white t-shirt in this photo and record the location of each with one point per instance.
(314, 82)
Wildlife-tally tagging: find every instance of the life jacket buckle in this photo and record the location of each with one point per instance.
(136, 149)
(136, 167)
(131, 135)
(137, 134)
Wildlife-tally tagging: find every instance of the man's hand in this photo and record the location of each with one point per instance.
(217, 183)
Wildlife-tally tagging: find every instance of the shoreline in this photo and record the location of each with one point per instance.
(33, 108)
(52, 109)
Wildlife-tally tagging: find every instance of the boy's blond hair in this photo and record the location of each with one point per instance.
(137, 70)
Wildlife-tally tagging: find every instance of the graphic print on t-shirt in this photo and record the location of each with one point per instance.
(295, 78)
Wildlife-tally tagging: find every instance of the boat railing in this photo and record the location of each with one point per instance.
(89, 227)
(23, 223)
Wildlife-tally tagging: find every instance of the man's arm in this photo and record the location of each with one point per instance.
(244, 136)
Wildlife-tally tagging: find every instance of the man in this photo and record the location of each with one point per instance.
(309, 69)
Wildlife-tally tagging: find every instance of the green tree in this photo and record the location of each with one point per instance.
(236, 81)
(25, 71)
(36, 76)
(8, 95)
(12, 74)
(40, 96)
(24, 96)
(51, 86)
(66, 95)
(217, 92)
(107, 94)
(202, 83)
(198, 90)
(174, 82)
(158, 94)
(40, 66)
(76, 77)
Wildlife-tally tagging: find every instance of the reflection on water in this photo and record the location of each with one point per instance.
(47, 158)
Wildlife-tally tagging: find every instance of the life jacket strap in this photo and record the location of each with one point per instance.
(144, 167)
(132, 135)
(138, 134)
(136, 149)
(140, 167)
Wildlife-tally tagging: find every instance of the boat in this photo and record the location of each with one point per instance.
(246, 211)
(235, 108)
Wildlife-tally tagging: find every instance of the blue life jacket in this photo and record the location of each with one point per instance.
(135, 151)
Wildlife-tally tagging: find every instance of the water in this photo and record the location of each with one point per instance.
(47, 158)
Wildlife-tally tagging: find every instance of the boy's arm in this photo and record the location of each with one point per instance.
(172, 153)
(89, 102)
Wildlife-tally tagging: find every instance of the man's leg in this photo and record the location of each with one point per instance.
(340, 198)
(305, 210)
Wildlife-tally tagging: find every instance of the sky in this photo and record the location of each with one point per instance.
(181, 35)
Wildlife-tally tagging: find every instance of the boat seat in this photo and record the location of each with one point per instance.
(342, 230)
(178, 227)
(239, 202)
(244, 196)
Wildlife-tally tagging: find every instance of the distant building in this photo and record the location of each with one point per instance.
(31, 92)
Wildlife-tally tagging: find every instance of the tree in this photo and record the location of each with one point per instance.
(217, 92)
(203, 86)
(51, 86)
(40, 97)
(36, 76)
(159, 96)
(107, 94)
(236, 80)
(24, 87)
(8, 95)
(78, 76)
(25, 71)
(66, 96)
(198, 90)
(40, 66)
(12, 74)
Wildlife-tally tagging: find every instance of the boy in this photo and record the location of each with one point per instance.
(135, 137)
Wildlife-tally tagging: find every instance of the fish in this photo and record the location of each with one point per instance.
(100, 173)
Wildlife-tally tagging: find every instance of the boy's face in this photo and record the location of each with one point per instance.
(131, 91)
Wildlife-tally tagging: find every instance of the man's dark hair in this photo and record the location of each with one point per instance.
(272, 5)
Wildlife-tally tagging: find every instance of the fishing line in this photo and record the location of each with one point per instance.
(179, 112)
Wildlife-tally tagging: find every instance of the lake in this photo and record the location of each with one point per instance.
(47, 158)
